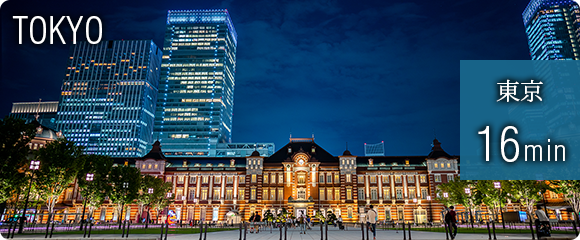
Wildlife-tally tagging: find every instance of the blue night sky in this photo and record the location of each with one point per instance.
(347, 71)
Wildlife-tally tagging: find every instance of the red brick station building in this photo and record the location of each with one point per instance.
(301, 177)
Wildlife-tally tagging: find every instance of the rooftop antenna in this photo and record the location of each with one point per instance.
(38, 109)
(312, 135)
(290, 137)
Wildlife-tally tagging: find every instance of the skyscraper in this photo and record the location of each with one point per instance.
(553, 28)
(108, 96)
(196, 91)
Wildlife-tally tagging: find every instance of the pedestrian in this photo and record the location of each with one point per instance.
(451, 220)
(371, 220)
(257, 219)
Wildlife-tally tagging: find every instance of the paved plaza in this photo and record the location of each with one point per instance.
(294, 234)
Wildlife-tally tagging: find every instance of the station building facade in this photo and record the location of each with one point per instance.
(301, 177)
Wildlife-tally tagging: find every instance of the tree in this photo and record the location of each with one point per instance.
(494, 198)
(571, 191)
(145, 198)
(60, 162)
(125, 183)
(96, 190)
(160, 198)
(527, 193)
(15, 135)
(456, 190)
(331, 217)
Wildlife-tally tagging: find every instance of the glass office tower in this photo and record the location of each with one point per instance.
(108, 96)
(196, 90)
(553, 28)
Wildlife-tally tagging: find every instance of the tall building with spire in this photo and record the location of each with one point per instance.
(553, 29)
(108, 96)
(196, 92)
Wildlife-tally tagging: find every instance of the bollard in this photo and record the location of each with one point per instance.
(446, 231)
(240, 231)
(280, 226)
(162, 224)
(493, 227)
(488, 231)
(404, 232)
(200, 230)
(245, 229)
(368, 225)
(326, 231)
(166, 230)
(51, 230)
(285, 231)
(90, 228)
(322, 232)
(9, 229)
(409, 231)
(574, 225)
(204, 234)
(123, 224)
(85, 235)
(128, 226)
(532, 229)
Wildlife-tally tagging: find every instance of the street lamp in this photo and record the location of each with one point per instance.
(34, 165)
(89, 178)
(468, 192)
(149, 191)
(497, 185)
(125, 186)
(445, 195)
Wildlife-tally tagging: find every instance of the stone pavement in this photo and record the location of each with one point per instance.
(294, 234)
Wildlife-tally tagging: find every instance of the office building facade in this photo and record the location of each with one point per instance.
(196, 92)
(553, 28)
(108, 96)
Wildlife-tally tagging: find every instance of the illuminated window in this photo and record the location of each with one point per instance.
(373, 179)
(217, 179)
(448, 165)
(301, 178)
(205, 179)
(204, 194)
(273, 178)
(424, 193)
(398, 179)
(437, 177)
(265, 194)
(349, 194)
(337, 194)
(230, 179)
(361, 179)
(361, 194)
(411, 179)
(253, 194)
(399, 192)
(386, 193)
(241, 194)
(348, 178)
(336, 178)
(280, 178)
(329, 194)
(423, 178)
(412, 193)
(374, 195)
(266, 178)
(321, 193)
(180, 179)
(385, 179)
(254, 178)
(301, 194)
(449, 177)
(280, 194)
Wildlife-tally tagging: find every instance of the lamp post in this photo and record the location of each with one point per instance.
(468, 192)
(149, 191)
(430, 209)
(125, 186)
(34, 165)
(497, 185)
(194, 206)
(89, 178)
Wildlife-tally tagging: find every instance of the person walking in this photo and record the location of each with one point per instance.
(451, 220)
(371, 220)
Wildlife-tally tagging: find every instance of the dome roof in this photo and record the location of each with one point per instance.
(346, 153)
(255, 153)
(45, 132)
